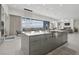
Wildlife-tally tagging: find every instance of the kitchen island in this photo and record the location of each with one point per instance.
(42, 42)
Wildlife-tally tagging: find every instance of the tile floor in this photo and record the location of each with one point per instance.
(13, 47)
(70, 48)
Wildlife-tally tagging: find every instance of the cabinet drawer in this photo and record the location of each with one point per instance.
(34, 38)
(35, 49)
(36, 44)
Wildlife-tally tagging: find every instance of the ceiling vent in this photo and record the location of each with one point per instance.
(28, 10)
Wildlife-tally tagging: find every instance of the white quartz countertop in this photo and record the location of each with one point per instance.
(31, 33)
(58, 30)
(36, 33)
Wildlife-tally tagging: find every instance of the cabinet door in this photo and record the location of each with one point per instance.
(64, 37)
(52, 42)
(61, 38)
(55, 40)
(47, 43)
(44, 44)
(35, 45)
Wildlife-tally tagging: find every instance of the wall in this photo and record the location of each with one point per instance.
(29, 14)
(71, 21)
(53, 25)
(15, 24)
(7, 12)
(65, 11)
(38, 16)
(0, 16)
(14, 11)
(76, 24)
(5, 18)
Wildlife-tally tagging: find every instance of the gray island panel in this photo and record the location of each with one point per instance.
(43, 43)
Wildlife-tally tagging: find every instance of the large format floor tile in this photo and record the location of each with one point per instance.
(70, 48)
(13, 46)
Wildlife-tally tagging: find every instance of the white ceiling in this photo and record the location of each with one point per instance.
(52, 10)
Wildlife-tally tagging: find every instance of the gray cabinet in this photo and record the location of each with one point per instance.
(60, 39)
(42, 44)
(35, 44)
(47, 43)
(64, 37)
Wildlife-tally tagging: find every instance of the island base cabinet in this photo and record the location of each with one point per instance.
(35, 45)
(41, 44)
(47, 43)
(60, 39)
